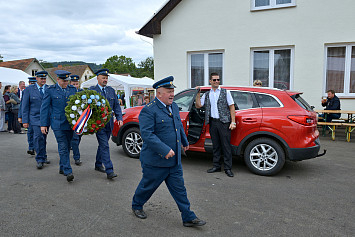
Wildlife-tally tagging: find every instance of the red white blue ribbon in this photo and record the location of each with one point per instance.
(81, 124)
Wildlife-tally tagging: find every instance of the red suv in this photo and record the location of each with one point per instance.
(272, 126)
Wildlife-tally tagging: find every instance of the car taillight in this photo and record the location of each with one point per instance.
(302, 119)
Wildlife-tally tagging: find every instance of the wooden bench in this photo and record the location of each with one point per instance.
(331, 126)
(350, 127)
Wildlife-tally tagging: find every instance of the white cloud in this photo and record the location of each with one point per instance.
(73, 30)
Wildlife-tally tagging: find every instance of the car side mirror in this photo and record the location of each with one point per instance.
(312, 107)
(180, 109)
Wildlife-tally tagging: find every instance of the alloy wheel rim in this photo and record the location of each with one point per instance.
(263, 157)
(133, 143)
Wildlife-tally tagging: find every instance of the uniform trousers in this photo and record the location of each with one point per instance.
(30, 138)
(103, 151)
(75, 142)
(221, 137)
(152, 178)
(64, 138)
(40, 144)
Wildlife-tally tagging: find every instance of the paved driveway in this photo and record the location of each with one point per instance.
(308, 198)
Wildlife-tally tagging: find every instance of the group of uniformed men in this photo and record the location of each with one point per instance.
(43, 106)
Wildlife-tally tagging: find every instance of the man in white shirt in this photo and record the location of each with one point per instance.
(220, 114)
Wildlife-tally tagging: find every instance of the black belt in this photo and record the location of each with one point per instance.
(214, 119)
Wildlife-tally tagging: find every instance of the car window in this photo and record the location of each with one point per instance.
(243, 100)
(301, 102)
(266, 100)
(184, 100)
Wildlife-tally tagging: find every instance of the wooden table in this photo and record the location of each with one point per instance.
(350, 124)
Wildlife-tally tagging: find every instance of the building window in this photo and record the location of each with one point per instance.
(273, 67)
(201, 65)
(270, 4)
(34, 72)
(340, 69)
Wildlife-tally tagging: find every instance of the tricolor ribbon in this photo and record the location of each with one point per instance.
(82, 121)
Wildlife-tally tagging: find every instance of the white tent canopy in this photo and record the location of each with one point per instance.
(125, 83)
(9, 76)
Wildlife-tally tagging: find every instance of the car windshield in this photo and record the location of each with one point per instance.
(301, 102)
(185, 99)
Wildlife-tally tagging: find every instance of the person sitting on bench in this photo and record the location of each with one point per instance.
(331, 103)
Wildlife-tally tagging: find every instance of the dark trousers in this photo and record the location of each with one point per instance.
(151, 180)
(30, 138)
(75, 142)
(16, 126)
(40, 144)
(330, 117)
(221, 137)
(63, 138)
(10, 121)
(103, 151)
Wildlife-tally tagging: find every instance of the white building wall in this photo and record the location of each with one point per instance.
(229, 25)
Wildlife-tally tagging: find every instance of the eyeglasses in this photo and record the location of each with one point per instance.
(215, 80)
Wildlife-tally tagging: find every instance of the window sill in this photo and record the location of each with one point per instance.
(346, 96)
(256, 9)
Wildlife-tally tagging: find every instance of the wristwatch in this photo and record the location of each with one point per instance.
(234, 123)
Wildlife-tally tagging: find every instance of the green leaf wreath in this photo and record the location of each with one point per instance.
(101, 110)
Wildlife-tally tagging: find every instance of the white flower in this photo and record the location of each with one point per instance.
(82, 106)
(72, 115)
(74, 108)
(85, 130)
(73, 122)
(77, 101)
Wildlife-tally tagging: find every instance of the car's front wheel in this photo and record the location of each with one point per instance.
(264, 156)
(132, 142)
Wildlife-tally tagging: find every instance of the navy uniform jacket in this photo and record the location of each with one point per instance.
(161, 132)
(54, 102)
(112, 99)
(31, 105)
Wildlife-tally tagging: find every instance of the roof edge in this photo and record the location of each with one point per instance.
(153, 26)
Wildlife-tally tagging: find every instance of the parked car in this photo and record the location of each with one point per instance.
(272, 126)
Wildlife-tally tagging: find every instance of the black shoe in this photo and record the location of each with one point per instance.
(70, 177)
(61, 172)
(78, 162)
(47, 162)
(229, 173)
(139, 213)
(195, 222)
(214, 169)
(100, 169)
(39, 165)
(111, 175)
(31, 152)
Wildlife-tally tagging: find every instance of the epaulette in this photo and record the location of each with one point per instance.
(151, 103)
(51, 86)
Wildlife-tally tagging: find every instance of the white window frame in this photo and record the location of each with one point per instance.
(272, 63)
(206, 67)
(272, 5)
(348, 48)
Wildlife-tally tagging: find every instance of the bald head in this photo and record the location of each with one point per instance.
(165, 95)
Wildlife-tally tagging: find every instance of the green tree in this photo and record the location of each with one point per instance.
(146, 68)
(1, 57)
(120, 65)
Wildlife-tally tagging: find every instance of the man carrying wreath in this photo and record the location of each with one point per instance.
(53, 114)
(104, 134)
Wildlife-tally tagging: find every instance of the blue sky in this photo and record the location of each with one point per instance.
(76, 30)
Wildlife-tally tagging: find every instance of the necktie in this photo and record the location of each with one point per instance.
(167, 107)
(104, 92)
(41, 91)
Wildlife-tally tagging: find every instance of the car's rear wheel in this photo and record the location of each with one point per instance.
(132, 142)
(264, 156)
